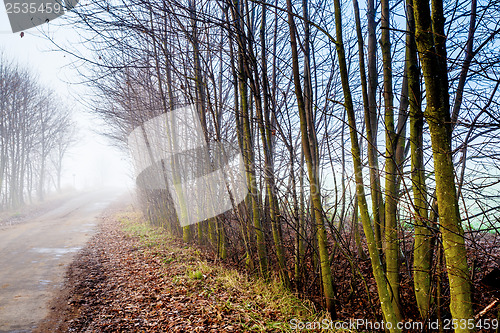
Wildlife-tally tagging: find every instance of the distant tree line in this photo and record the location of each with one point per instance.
(385, 122)
(36, 131)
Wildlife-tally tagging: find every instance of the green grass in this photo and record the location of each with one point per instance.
(196, 275)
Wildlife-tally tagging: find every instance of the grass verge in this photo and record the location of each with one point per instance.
(259, 306)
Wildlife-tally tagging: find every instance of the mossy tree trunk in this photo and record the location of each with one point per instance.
(200, 91)
(239, 132)
(378, 272)
(247, 138)
(371, 126)
(308, 136)
(430, 40)
(390, 229)
(264, 123)
(422, 254)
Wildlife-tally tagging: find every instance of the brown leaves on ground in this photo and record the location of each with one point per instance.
(122, 283)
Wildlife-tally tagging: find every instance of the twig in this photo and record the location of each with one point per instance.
(486, 309)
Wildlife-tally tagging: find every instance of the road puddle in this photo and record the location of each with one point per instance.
(44, 282)
(86, 228)
(56, 251)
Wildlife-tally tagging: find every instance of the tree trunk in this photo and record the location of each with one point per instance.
(248, 153)
(430, 40)
(371, 126)
(390, 228)
(265, 131)
(422, 255)
(306, 137)
(378, 272)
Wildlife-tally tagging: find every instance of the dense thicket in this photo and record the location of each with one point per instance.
(387, 124)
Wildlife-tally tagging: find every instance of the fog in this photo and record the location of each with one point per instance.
(91, 162)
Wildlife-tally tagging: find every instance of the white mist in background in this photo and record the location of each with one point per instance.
(91, 162)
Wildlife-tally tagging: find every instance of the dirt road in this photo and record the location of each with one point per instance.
(34, 255)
